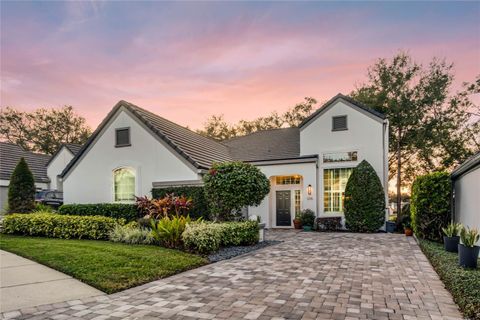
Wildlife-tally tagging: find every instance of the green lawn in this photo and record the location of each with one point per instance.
(107, 266)
(463, 284)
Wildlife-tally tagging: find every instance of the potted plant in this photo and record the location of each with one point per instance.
(407, 225)
(297, 222)
(467, 250)
(451, 238)
(307, 218)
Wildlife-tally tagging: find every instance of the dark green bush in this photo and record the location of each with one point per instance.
(208, 237)
(430, 205)
(307, 217)
(112, 210)
(230, 186)
(364, 200)
(60, 226)
(463, 284)
(197, 194)
(21, 190)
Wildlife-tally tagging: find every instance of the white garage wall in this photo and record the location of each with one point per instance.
(467, 199)
(56, 166)
(91, 181)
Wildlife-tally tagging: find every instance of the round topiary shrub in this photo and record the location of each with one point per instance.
(230, 186)
(21, 191)
(364, 205)
(430, 205)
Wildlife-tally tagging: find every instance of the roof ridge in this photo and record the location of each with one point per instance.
(256, 132)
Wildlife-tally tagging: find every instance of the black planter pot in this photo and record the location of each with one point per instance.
(451, 243)
(390, 226)
(467, 256)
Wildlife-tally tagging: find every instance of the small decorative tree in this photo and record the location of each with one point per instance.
(364, 200)
(21, 191)
(430, 205)
(230, 186)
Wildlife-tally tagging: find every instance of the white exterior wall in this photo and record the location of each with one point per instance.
(467, 199)
(56, 166)
(267, 209)
(364, 135)
(91, 181)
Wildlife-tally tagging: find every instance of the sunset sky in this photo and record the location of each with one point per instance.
(186, 61)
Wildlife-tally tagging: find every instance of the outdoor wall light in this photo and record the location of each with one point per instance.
(309, 190)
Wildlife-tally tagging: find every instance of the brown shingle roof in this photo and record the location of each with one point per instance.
(10, 155)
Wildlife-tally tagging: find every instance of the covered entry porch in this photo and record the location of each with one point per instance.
(293, 187)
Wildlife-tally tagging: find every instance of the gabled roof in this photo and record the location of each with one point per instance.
(266, 145)
(349, 101)
(71, 147)
(469, 164)
(10, 155)
(198, 150)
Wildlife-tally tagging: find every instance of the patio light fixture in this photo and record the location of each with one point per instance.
(309, 190)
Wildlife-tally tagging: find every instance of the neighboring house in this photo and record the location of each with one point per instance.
(466, 192)
(10, 155)
(58, 162)
(134, 150)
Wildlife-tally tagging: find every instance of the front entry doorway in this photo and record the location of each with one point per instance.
(284, 218)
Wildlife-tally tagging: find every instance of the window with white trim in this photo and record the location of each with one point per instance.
(124, 185)
(334, 183)
(284, 180)
(298, 201)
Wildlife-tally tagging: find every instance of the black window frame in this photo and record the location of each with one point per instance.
(117, 145)
(340, 129)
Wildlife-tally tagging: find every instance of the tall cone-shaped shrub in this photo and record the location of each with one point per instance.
(21, 191)
(364, 205)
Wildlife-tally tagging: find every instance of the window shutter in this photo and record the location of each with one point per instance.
(339, 123)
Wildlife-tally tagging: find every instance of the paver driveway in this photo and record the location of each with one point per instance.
(309, 275)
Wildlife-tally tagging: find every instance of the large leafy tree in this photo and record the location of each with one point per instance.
(21, 191)
(430, 128)
(43, 130)
(217, 128)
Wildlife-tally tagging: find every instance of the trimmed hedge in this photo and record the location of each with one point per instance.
(125, 211)
(197, 194)
(463, 284)
(364, 204)
(60, 226)
(209, 237)
(430, 205)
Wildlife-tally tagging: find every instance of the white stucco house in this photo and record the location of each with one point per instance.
(45, 168)
(466, 192)
(134, 150)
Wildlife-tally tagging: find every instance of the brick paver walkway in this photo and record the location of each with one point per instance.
(308, 276)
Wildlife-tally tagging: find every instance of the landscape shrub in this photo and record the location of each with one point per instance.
(170, 205)
(113, 210)
(131, 234)
(202, 237)
(364, 204)
(168, 230)
(21, 190)
(307, 217)
(243, 233)
(60, 226)
(430, 205)
(463, 284)
(231, 186)
(208, 237)
(196, 194)
(329, 223)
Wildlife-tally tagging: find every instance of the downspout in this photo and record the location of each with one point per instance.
(385, 163)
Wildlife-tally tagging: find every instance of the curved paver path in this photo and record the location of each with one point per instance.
(309, 275)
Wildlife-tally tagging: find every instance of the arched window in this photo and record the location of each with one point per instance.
(124, 184)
